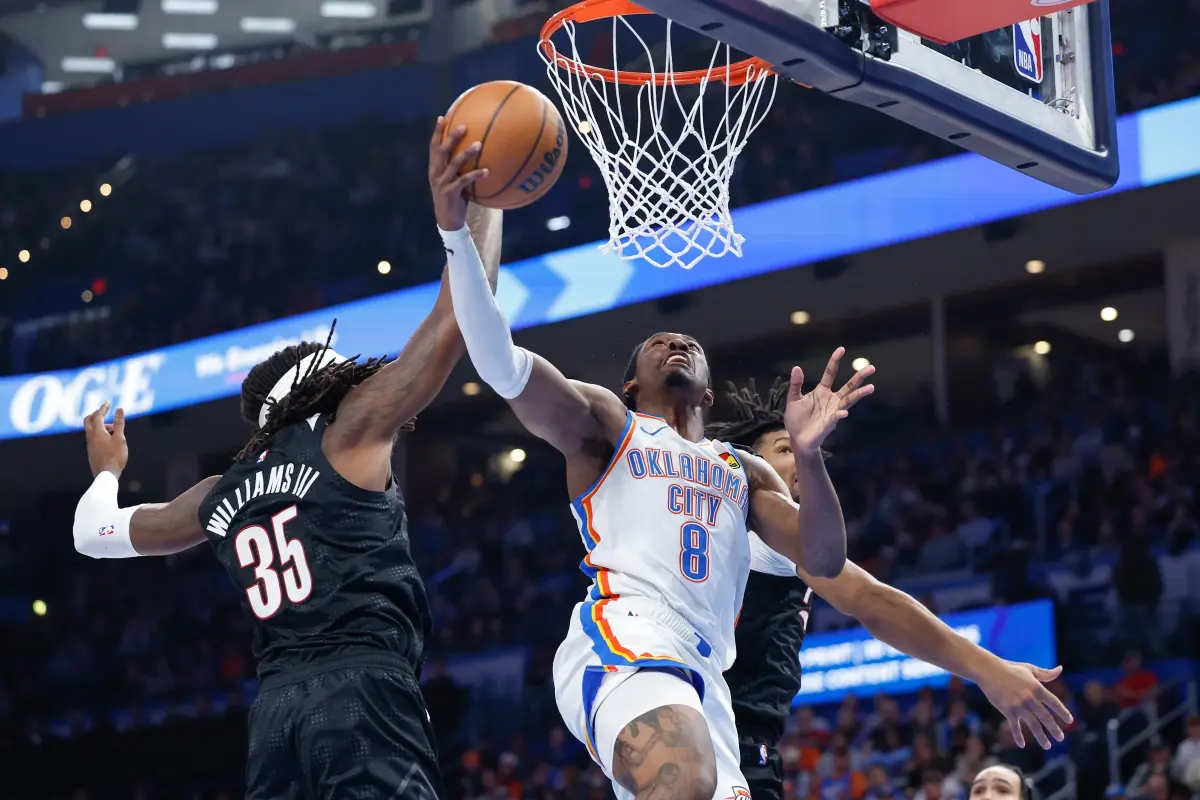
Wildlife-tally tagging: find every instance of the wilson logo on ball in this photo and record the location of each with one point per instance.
(549, 160)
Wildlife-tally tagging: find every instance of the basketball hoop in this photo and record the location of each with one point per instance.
(666, 206)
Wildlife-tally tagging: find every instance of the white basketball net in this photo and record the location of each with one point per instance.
(665, 206)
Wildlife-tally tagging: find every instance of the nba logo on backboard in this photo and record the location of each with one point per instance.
(1027, 50)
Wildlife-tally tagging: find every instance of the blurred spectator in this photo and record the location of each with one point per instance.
(1137, 685)
(1185, 766)
(1157, 764)
(1139, 588)
(843, 781)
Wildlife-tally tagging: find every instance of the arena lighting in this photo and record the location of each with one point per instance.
(3, 274)
(92, 64)
(98, 21)
(558, 223)
(52, 87)
(189, 41)
(384, 267)
(267, 25)
(1108, 313)
(471, 388)
(1041, 347)
(516, 455)
(860, 363)
(39, 608)
(189, 6)
(348, 9)
(1125, 335)
(800, 317)
(86, 296)
(23, 256)
(65, 222)
(85, 206)
(1035, 266)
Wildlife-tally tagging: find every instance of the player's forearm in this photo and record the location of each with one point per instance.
(500, 363)
(896, 619)
(821, 527)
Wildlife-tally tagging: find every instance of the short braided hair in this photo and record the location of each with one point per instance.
(629, 398)
(318, 391)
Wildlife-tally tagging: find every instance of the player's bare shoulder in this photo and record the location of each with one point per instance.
(607, 409)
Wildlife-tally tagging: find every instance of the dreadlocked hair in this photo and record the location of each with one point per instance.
(317, 391)
(752, 417)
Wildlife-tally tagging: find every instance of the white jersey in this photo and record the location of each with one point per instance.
(666, 521)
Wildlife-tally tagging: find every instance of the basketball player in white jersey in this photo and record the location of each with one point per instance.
(664, 513)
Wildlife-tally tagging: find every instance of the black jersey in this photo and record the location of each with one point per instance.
(323, 565)
(765, 678)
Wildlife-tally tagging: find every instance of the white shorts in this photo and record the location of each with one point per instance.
(611, 640)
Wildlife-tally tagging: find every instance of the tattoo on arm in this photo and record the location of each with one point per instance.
(664, 754)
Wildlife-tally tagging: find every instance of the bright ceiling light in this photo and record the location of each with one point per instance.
(558, 223)
(1035, 266)
(267, 25)
(1125, 335)
(85, 206)
(1108, 313)
(189, 41)
(3, 274)
(348, 9)
(800, 317)
(23, 256)
(189, 6)
(88, 64)
(516, 455)
(110, 22)
(471, 388)
(384, 267)
(860, 363)
(1041, 347)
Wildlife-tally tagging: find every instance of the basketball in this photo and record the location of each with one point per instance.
(523, 137)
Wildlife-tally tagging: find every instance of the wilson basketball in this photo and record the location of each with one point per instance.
(523, 137)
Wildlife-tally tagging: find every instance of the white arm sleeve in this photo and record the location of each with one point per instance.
(765, 560)
(502, 365)
(101, 529)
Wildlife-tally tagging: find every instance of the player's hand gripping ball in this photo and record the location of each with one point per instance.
(522, 142)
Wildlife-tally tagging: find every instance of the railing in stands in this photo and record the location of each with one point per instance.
(1155, 722)
(1044, 776)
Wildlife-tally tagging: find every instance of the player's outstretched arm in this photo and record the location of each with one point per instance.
(896, 619)
(104, 530)
(567, 414)
(810, 532)
(372, 413)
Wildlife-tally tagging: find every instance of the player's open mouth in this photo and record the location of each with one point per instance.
(678, 358)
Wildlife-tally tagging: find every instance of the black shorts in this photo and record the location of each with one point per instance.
(354, 732)
(764, 776)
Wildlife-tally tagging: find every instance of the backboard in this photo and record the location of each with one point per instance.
(1036, 96)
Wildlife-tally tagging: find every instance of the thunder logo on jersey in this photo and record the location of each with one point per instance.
(703, 483)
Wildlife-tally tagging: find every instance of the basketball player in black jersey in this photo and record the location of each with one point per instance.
(311, 527)
(765, 678)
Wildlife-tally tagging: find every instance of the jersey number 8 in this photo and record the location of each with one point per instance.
(255, 549)
(693, 551)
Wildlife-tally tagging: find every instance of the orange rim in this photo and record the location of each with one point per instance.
(592, 10)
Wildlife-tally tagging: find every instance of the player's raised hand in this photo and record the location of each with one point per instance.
(445, 180)
(811, 417)
(1018, 692)
(107, 449)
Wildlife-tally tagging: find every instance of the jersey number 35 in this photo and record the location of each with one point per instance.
(258, 549)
